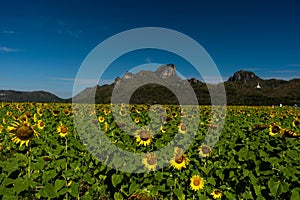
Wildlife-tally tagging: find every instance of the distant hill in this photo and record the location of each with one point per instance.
(36, 96)
(241, 89)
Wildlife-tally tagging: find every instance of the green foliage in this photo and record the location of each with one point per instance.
(246, 162)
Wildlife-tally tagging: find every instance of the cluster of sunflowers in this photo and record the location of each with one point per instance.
(276, 129)
(144, 137)
(23, 126)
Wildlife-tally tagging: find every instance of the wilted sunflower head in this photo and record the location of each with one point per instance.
(274, 129)
(143, 137)
(150, 161)
(179, 160)
(22, 132)
(197, 182)
(204, 150)
(216, 194)
(296, 123)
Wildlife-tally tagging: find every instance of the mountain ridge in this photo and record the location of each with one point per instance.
(241, 89)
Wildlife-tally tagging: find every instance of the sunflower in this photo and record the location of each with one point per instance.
(4, 121)
(204, 150)
(62, 130)
(274, 129)
(22, 132)
(41, 124)
(23, 118)
(197, 182)
(296, 122)
(216, 194)
(106, 127)
(137, 120)
(179, 160)
(150, 161)
(174, 114)
(101, 119)
(1, 128)
(55, 112)
(28, 115)
(106, 111)
(163, 129)
(122, 112)
(182, 128)
(67, 111)
(9, 113)
(143, 137)
(39, 111)
(21, 109)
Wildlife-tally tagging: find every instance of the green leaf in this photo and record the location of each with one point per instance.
(116, 179)
(11, 166)
(9, 197)
(7, 181)
(211, 181)
(257, 190)
(21, 185)
(179, 194)
(205, 170)
(118, 196)
(48, 175)
(59, 184)
(284, 187)
(170, 182)
(74, 189)
(39, 165)
(48, 191)
(63, 191)
(229, 195)
(273, 186)
(159, 177)
(133, 187)
(295, 194)
(6, 191)
(87, 177)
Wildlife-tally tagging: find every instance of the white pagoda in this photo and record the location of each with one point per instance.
(258, 86)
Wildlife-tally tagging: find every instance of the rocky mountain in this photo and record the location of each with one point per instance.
(35, 96)
(242, 88)
(244, 77)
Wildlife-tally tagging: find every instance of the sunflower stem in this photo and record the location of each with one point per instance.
(29, 161)
(66, 151)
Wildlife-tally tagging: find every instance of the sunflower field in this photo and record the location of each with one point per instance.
(42, 156)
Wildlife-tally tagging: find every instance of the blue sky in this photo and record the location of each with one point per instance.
(43, 43)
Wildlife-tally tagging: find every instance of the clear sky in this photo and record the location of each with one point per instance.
(44, 42)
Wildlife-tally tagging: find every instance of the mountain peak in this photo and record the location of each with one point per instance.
(166, 71)
(243, 77)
